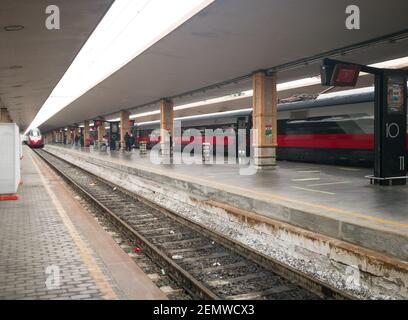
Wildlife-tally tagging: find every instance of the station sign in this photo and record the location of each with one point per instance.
(391, 126)
(390, 116)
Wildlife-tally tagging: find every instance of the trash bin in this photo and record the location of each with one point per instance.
(142, 147)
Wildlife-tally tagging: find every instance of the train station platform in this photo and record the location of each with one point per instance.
(52, 248)
(334, 201)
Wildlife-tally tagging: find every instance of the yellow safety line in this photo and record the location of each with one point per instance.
(84, 251)
(266, 195)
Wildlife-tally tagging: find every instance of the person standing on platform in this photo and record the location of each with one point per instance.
(127, 142)
(132, 141)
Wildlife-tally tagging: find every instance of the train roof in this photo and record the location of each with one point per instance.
(324, 100)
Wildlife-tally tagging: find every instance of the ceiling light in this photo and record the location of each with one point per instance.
(128, 29)
(14, 27)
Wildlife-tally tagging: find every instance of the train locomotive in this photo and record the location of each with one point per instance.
(332, 129)
(35, 139)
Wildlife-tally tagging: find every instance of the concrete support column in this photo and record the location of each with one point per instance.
(4, 116)
(69, 137)
(75, 134)
(124, 127)
(265, 101)
(101, 132)
(166, 126)
(86, 133)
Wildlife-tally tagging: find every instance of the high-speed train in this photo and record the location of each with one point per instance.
(35, 139)
(332, 129)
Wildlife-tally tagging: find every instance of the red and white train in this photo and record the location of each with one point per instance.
(35, 139)
(332, 129)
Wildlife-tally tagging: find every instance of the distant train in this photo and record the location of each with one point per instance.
(332, 129)
(35, 139)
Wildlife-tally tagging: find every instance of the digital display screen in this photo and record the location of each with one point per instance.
(396, 94)
(345, 75)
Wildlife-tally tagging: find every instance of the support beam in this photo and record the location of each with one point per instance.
(124, 127)
(86, 133)
(265, 127)
(166, 126)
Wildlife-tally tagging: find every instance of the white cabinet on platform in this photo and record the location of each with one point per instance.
(10, 152)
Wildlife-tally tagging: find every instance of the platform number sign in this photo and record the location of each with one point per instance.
(391, 126)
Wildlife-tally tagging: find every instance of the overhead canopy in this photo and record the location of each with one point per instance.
(231, 38)
(33, 60)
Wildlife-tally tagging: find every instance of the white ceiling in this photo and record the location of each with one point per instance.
(34, 59)
(228, 39)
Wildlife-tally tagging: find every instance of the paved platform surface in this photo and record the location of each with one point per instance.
(51, 248)
(334, 200)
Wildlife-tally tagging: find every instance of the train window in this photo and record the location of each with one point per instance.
(35, 133)
(338, 124)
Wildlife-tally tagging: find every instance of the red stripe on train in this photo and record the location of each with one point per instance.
(333, 141)
(324, 141)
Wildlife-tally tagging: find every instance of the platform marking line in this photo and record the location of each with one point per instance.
(266, 195)
(312, 190)
(348, 169)
(84, 251)
(327, 183)
(306, 179)
(309, 171)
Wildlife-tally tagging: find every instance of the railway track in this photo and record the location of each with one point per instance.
(206, 264)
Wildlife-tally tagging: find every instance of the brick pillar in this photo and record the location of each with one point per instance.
(166, 125)
(4, 116)
(124, 127)
(76, 134)
(101, 132)
(86, 132)
(69, 137)
(265, 126)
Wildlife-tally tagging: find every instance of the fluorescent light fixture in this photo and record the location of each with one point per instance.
(392, 64)
(128, 29)
(345, 92)
(145, 114)
(300, 83)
